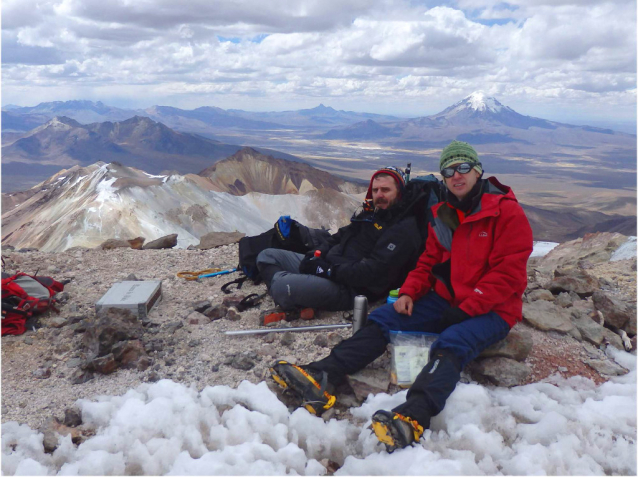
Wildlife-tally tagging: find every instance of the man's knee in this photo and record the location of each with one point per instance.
(467, 342)
(281, 292)
(267, 257)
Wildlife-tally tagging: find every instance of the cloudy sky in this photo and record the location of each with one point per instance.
(558, 59)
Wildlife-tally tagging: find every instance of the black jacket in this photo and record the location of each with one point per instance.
(374, 253)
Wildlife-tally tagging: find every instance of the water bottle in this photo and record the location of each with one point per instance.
(360, 315)
(393, 296)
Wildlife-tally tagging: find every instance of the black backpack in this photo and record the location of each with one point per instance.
(421, 193)
(287, 234)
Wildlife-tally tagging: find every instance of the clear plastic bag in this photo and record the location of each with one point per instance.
(410, 354)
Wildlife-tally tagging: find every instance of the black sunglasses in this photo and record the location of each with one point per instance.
(463, 168)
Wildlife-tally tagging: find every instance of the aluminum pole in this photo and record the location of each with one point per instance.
(283, 330)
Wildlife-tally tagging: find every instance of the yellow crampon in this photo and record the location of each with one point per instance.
(391, 434)
(320, 404)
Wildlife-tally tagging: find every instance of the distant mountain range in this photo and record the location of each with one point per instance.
(19, 119)
(342, 142)
(139, 141)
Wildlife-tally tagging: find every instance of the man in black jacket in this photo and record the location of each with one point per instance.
(370, 256)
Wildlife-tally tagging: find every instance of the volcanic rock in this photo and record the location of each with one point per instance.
(615, 312)
(217, 239)
(501, 371)
(369, 381)
(574, 280)
(136, 243)
(167, 241)
(114, 324)
(546, 316)
(110, 244)
(516, 345)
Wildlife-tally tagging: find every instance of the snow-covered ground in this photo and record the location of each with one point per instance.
(560, 427)
(543, 248)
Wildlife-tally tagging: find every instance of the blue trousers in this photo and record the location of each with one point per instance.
(456, 346)
(465, 341)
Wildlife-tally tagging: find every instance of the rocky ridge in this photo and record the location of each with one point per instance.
(76, 354)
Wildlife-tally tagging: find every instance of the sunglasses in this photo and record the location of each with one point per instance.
(462, 168)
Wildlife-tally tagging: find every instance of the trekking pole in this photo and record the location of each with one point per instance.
(407, 172)
(282, 330)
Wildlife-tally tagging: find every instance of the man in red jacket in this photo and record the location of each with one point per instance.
(467, 287)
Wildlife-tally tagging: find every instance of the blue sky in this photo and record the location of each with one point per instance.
(558, 59)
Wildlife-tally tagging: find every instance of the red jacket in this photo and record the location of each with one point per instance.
(488, 252)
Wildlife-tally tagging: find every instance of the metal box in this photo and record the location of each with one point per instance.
(137, 296)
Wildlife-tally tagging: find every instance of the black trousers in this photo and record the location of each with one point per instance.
(425, 398)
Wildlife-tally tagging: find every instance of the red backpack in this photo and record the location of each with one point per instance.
(22, 296)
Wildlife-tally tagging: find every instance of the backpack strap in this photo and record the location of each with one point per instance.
(238, 281)
(251, 300)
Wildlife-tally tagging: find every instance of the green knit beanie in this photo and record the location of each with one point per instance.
(457, 152)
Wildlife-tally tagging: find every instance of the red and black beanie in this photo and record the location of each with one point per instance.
(395, 173)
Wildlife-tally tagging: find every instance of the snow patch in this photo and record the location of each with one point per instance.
(155, 177)
(543, 248)
(626, 251)
(479, 101)
(106, 192)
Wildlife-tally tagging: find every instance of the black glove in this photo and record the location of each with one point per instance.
(315, 266)
(453, 316)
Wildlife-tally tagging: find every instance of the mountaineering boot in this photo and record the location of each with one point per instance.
(395, 430)
(310, 386)
(277, 314)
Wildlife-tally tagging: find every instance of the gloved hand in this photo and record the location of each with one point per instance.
(453, 316)
(315, 266)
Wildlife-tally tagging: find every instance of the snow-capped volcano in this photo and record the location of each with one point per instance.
(480, 110)
(479, 101)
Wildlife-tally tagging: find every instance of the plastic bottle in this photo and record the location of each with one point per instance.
(393, 296)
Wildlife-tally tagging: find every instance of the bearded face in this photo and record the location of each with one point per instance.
(385, 192)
